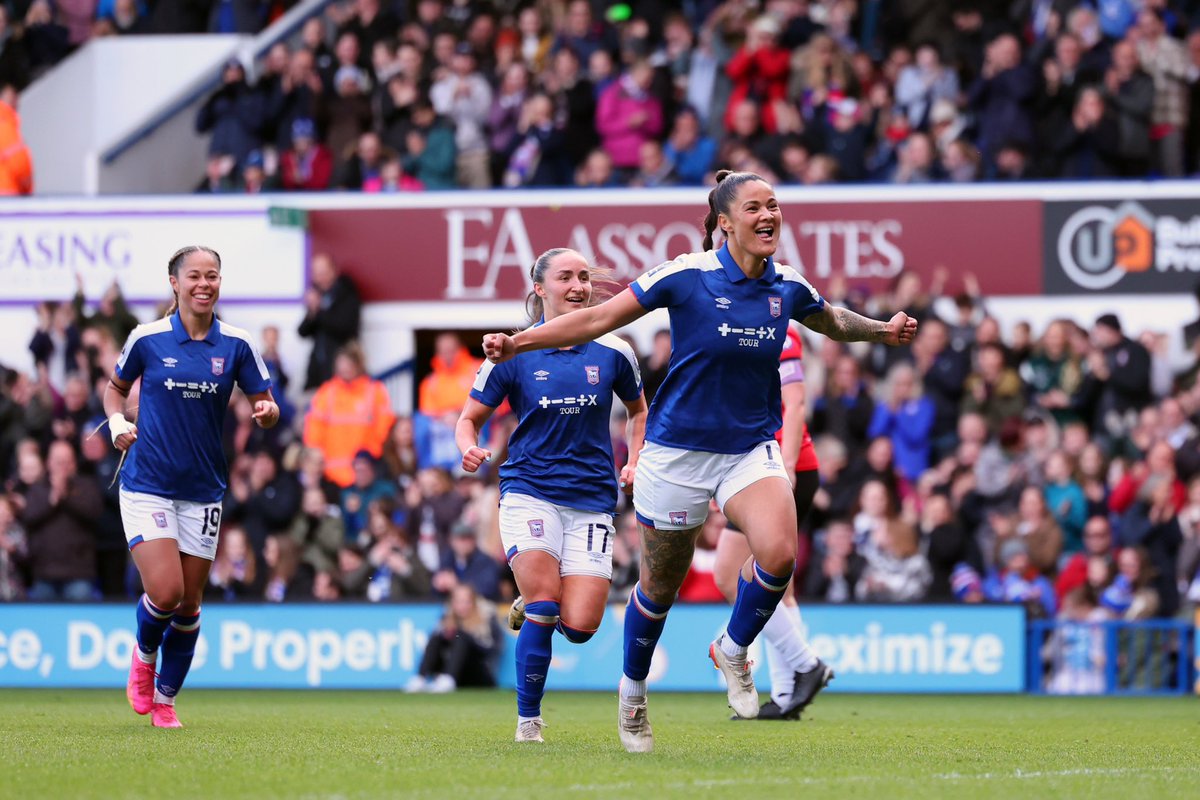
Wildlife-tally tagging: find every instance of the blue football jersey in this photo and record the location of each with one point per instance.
(561, 451)
(721, 393)
(185, 392)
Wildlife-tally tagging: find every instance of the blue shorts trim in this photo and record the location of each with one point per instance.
(649, 523)
(512, 552)
(135, 541)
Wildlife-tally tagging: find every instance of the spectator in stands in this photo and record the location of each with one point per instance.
(946, 545)
(1132, 595)
(218, 175)
(364, 165)
(1166, 60)
(14, 56)
(444, 390)
(262, 499)
(369, 23)
(368, 487)
(1130, 101)
(846, 408)
(1018, 581)
(1075, 649)
(307, 165)
(347, 118)
(236, 573)
(923, 83)
(331, 320)
(993, 389)
(1087, 146)
(465, 97)
(16, 164)
(236, 16)
(59, 515)
(504, 115)
(654, 169)
(820, 75)
(689, 151)
(295, 95)
(943, 372)
(583, 34)
(1097, 543)
(1187, 570)
(430, 149)
(234, 114)
(627, 115)
(1066, 500)
(14, 550)
(350, 412)
(56, 344)
(905, 416)
(127, 17)
(1001, 97)
(575, 103)
(464, 650)
(318, 530)
(287, 578)
(463, 563)
(875, 509)
(538, 156)
(46, 40)
(254, 178)
(835, 571)
(433, 509)
(896, 570)
(596, 172)
(1116, 384)
(396, 573)
(759, 69)
(111, 312)
(916, 160)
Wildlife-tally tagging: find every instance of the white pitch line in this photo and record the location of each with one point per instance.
(946, 776)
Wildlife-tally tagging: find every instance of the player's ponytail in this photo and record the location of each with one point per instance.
(720, 199)
(176, 261)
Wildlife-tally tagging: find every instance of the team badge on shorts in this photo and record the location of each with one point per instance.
(160, 519)
(593, 375)
(678, 517)
(218, 365)
(536, 529)
(776, 304)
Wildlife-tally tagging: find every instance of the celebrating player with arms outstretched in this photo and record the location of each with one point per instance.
(711, 430)
(175, 476)
(558, 488)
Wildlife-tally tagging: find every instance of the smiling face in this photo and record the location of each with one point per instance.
(567, 285)
(753, 221)
(197, 282)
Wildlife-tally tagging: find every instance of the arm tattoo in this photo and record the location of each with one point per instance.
(666, 557)
(844, 325)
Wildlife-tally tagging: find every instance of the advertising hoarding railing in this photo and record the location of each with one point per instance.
(351, 646)
(1146, 657)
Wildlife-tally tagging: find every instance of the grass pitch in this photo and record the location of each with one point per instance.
(64, 744)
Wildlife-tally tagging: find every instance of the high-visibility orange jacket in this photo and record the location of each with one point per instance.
(446, 389)
(346, 417)
(16, 167)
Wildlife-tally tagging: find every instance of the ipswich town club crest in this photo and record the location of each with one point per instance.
(593, 375)
(218, 365)
(536, 529)
(678, 517)
(776, 305)
(160, 519)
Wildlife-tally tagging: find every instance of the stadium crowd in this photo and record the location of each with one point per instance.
(1059, 468)
(436, 94)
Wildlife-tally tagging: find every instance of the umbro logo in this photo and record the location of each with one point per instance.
(763, 612)
(723, 303)
(541, 375)
(534, 678)
(170, 362)
(645, 642)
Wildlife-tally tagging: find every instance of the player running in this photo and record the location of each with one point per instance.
(174, 479)
(558, 488)
(710, 433)
(796, 673)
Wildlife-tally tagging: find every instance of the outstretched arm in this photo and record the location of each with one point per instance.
(844, 325)
(568, 330)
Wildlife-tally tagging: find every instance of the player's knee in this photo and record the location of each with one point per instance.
(166, 596)
(576, 635)
(778, 561)
(188, 608)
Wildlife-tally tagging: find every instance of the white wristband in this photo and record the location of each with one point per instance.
(117, 425)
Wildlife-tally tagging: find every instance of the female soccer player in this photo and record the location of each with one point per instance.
(796, 674)
(558, 489)
(173, 481)
(710, 433)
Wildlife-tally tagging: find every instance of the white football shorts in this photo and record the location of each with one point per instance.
(673, 487)
(582, 541)
(193, 526)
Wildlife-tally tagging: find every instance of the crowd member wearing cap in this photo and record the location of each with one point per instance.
(1116, 384)
(254, 178)
(1016, 580)
(307, 165)
(347, 109)
(464, 563)
(234, 115)
(368, 486)
(465, 97)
